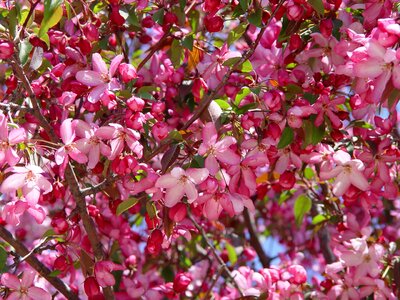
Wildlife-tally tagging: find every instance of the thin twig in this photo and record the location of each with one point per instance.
(214, 251)
(21, 250)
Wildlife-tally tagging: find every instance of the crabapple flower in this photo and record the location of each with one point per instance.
(217, 150)
(102, 271)
(118, 135)
(24, 288)
(90, 144)
(7, 140)
(348, 171)
(13, 211)
(29, 179)
(100, 78)
(180, 182)
(67, 132)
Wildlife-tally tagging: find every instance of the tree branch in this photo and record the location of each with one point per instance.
(22, 251)
(214, 251)
(254, 241)
(70, 178)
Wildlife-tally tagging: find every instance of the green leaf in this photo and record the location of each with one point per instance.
(188, 42)
(55, 273)
(158, 16)
(255, 18)
(312, 134)
(53, 13)
(125, 205)
(223, 104)
(301, 207)
(286, 138)
(132, 18)
(318, 6)
(24, 49)
(241, 95)
(245, 108)
(168, 274)
(236, 33)
(3, 259)
(231, 61)
(309, 173)
(151, 209)
(176, 54)
(175, 135)
(319, 219)
(231, 253)
(246, 67)
(244, 4)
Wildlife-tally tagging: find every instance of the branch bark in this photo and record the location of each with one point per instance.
(36, 264)
(254, 241)
(70, 178)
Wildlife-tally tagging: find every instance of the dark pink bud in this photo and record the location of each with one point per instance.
(178, 212)
(181, 282)
(287, 180)
(214, 23)
(91, 286)
(148, 22)
(212, 6)
(6, 49)
(127, 71)
(326, 27)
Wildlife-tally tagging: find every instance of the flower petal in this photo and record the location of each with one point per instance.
(174, 195)
(27, 278)
(197, 175)
(11, 281)
(341, 184)
(167, 181)
(89, 78)
(99, 66)
(358, 180)
(38, 293)
(114, 65)
(16, 136)
(191, 191)
(13, 183)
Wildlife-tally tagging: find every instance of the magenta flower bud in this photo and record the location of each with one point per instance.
(181, 282)
(213, 23)
(178, 212)
(299, 274)
(326, 27)
(91, 287)
(6, 49)
(127, 71)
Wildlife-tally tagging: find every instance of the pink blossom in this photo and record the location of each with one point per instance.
(217, 150)
(100, 78)
(102, 271)
(326, 106)
(13, 211)
(67, 132)
(8, 139)
(24, 289)
(29, 179)
(118, 136)
(348, 171)
(90, 144)
(180, 182)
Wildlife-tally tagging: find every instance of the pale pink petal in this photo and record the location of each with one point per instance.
(237, 203)
(197, 175)
(341, 157)
(114, 65)
(167, 181)
(212, 164)
(13, 183)
(99, 66)
(212, 209)
(37, 213)
(82, 129)
(177, 172)
(227, 205)
(174, 195)
(38, 293)
(32, 194)
(78, 156)
(368, 69)
(44, 184)
(209, 134)
(15, 296)
(191, 191)
(3, 127)
(358, 180)
(16, 136)
(117, 145)
(229, 157)
(94, 156)
(89, 78)
(60, 156)
(324, 175)
(106, 132)
(27, 278)
(282, 164)
(83, 145)
(67, 131)
(342, 183)
(225, 143)
(11, 281)
(11, 156)
(95, 94)
(105, 150)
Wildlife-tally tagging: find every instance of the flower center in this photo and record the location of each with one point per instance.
(183, 179)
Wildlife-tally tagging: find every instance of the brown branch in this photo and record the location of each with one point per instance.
(153, 50)
(254, 241)
(214, 251)
(22, 251)
(71, 180)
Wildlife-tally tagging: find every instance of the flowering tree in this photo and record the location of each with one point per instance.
(157, 150)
